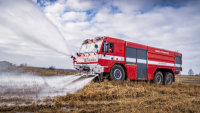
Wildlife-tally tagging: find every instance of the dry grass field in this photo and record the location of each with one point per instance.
(27, 69)
(123, 97)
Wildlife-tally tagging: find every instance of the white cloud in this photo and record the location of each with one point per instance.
(129, 6)
(35, 1)
(79, 5)
(74, 16)
(56, 8)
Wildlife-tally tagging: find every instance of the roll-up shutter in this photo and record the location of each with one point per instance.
(130, 55)
(177, 63)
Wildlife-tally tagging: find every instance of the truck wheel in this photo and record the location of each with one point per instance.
(158, 78)
(117, 73)
(96, 79)
(168, 78)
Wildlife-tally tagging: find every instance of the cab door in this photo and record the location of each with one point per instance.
(108, 54)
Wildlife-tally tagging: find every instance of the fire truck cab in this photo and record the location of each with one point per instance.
(116, 59)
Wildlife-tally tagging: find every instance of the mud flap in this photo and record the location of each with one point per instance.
(98, 78)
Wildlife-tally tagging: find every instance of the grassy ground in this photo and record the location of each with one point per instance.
(127, 96)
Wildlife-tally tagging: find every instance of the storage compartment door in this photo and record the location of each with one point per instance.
(177, 63)
(131, 71)
(141, 64)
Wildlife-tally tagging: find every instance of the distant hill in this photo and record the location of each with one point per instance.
(5, 64)
(57, 69)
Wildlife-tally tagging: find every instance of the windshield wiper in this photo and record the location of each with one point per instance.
(83, 53)
(91, 52)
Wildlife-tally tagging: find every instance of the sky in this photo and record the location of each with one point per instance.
(169, 24)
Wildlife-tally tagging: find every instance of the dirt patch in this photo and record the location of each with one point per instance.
(192, 81)
(188, 79)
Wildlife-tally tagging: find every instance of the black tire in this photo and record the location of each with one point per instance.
(168, 78)
(96, 79)
(158, 77)
(117, 73)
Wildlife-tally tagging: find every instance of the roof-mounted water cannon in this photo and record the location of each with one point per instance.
(86, 41)
(100, 38)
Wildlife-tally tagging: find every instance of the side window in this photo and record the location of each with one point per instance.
(110, 49)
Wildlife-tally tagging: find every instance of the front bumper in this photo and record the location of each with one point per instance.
(90, 69)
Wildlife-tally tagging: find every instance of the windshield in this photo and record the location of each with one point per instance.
(90, 48)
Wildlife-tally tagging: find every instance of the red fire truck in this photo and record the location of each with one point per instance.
(118, 60)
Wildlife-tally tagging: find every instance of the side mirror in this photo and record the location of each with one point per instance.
(96, 46)
(106, 46)
(77, 53)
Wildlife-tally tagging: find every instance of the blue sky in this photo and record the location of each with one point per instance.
(168, 24)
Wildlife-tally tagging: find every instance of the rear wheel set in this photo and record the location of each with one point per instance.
(166, 80)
